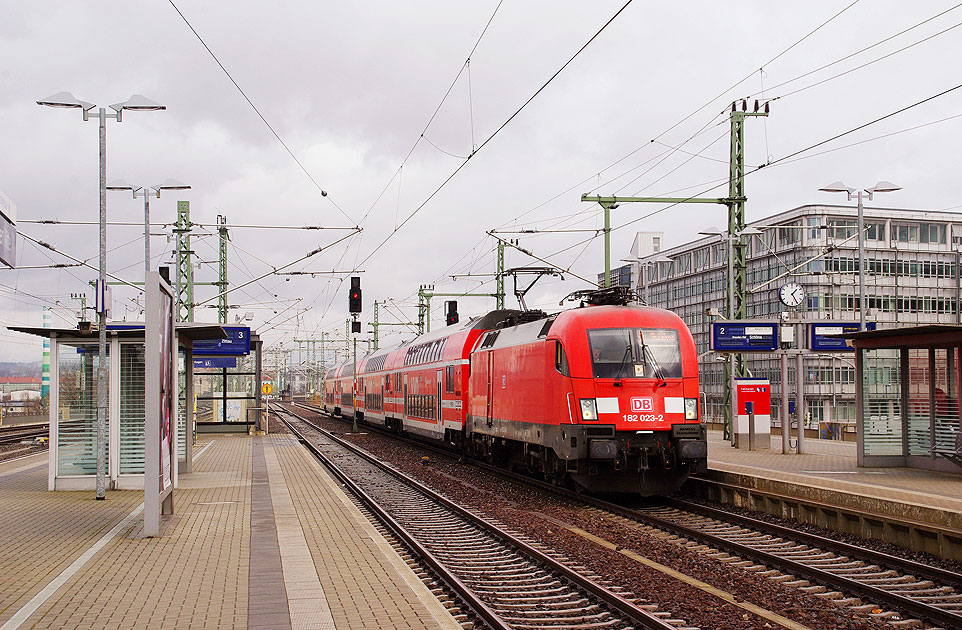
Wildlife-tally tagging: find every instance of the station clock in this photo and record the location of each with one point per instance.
(791, 294)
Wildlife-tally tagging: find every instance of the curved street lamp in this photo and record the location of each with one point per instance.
(147, 192)
(882, 186)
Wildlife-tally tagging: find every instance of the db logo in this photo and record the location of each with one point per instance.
(643, 404)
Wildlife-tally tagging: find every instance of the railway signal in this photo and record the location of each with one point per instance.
(354, 298)
(451, 312)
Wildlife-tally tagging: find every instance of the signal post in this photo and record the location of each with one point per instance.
(354, 306)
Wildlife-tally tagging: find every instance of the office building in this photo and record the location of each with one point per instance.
(911, 277)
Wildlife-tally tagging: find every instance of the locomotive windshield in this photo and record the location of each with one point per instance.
(635, 353)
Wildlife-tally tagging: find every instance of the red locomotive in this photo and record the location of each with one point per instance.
(603, 396)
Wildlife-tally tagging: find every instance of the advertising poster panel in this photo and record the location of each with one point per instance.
(166, 388)
(8, 231)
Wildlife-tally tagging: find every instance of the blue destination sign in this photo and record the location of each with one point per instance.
(819, 339)
(744, 336)
(215, 362)
(238, 342)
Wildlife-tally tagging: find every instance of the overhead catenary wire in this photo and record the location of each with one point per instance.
(306, 256)
(77, 260)
(474, 152)
(323, 193)
(498, 130)
(693, 113)
(770, 163)
(866, 49)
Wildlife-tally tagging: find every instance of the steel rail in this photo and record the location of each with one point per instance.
(451, 580)
(880, 596)
(609, 597)
(15, 433)
(911, 567)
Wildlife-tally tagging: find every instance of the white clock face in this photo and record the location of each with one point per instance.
(791, 294)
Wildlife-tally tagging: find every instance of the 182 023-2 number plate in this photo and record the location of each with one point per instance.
(643, 417)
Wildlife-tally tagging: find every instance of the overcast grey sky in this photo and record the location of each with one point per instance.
(349, 87)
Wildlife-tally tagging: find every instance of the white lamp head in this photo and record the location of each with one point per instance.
(837, 187)
(884, 186)
(65, 100)
(119, 184)
(170, 184)
(139, 103)
(712, 231)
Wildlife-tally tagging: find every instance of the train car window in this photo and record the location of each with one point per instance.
(449, 379)
(560, 359)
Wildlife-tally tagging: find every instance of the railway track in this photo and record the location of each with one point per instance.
(14, 434)
(505, 580)
(904, 592)
(829, 568)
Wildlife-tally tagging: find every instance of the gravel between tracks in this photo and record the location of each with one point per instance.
(12, 451)
(868, 543)
(540, 516)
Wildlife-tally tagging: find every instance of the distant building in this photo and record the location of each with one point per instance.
(17, 383)
(912, 277)
(645, 244)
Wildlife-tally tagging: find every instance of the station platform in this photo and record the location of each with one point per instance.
(918, 509)
(261, 537)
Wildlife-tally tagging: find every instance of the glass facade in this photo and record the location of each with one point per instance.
(132, 390)
(912, 277)
(77, 409)
(881, 402)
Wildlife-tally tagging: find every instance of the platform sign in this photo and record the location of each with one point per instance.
(819, 339)
(214, 362)
(8, 231)
(744, 336)
(238, 343)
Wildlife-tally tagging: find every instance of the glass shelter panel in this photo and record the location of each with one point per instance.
(946, 398)
(182, 405)
(227, 395)
(77, 413)
(882, 402)
(919, 406)
(131, 409)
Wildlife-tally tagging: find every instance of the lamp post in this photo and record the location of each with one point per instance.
(147, 192)
(66, 100)
(644, 264)
(882, 186)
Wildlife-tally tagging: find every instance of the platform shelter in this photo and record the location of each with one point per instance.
(908, 382)
(74, 359)
(227, 381)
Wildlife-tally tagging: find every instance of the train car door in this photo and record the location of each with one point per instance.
(405, 401)
(490, 390)
(439, 405)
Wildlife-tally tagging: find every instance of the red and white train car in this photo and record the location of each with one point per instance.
(604, 396)
(419, 386)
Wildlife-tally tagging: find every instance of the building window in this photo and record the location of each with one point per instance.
(788, 235)
(840, 229)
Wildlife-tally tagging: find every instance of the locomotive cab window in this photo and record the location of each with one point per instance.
(560, 359)
(635, 353)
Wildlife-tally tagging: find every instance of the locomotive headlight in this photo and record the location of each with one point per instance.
(691, 409)
(589, 411)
